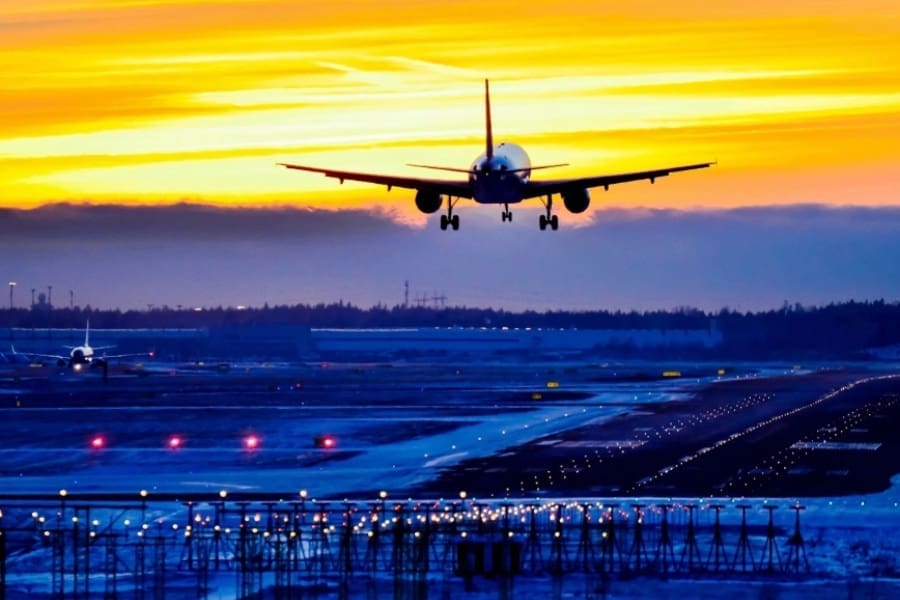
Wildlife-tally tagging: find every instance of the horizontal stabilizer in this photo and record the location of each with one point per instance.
(539, 167)
(469, 171)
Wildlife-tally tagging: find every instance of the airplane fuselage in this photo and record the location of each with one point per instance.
(501, 178)
(81, 355)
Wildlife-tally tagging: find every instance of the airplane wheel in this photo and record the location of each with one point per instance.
(443, 222)
(542, 222)
(455, 222)
(503, 217)
(554, 222)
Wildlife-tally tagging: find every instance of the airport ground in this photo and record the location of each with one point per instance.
(623, 432)
(492, 430)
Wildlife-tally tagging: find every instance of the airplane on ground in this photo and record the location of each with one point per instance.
(501, 175)
(79, 356)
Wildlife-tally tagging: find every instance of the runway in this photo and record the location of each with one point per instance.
(492, 430)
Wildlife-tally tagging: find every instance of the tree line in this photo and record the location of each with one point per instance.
(840, 330)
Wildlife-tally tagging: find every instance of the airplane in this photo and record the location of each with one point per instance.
(79, 356)
(501, 175)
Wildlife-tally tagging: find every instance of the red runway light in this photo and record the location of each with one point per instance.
(251, 442)
(328, 442)
(175, 442)
(98, 442)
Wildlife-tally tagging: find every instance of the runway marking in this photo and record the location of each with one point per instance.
(221, 485)
(445, 459)
(835, 446)
(631, 444)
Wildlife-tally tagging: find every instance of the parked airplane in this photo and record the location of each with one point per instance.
(79, 356)
(501, 175)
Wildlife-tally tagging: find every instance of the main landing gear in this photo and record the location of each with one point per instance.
(549, 219)
(506, 215)
(450, 219)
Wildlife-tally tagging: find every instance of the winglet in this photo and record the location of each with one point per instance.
(489, 134)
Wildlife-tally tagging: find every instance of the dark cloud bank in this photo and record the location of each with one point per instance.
(744, 258)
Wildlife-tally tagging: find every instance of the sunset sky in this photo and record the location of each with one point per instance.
(160, 101)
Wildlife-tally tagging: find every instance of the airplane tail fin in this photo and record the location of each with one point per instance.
(489, 134)
(87, 333)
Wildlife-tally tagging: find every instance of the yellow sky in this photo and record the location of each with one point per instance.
(163, 100)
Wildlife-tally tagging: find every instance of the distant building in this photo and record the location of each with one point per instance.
(501, 341)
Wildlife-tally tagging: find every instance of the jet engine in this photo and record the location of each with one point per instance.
(576, 201)
(428, 201)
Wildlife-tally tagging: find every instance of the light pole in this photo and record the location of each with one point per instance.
(12, 286)
(49, 310)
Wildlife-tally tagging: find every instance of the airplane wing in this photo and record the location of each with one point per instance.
(556, 186)
(445, 187)
(108, 356)
(15, 352)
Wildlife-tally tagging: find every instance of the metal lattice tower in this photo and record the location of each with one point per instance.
(691, 552)
(585, 551)
(532, 555)
(665, 553)
(770, 561)
(610, 545)
(797, 549)
(717, 550)
(638, 551)
(743, 550)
